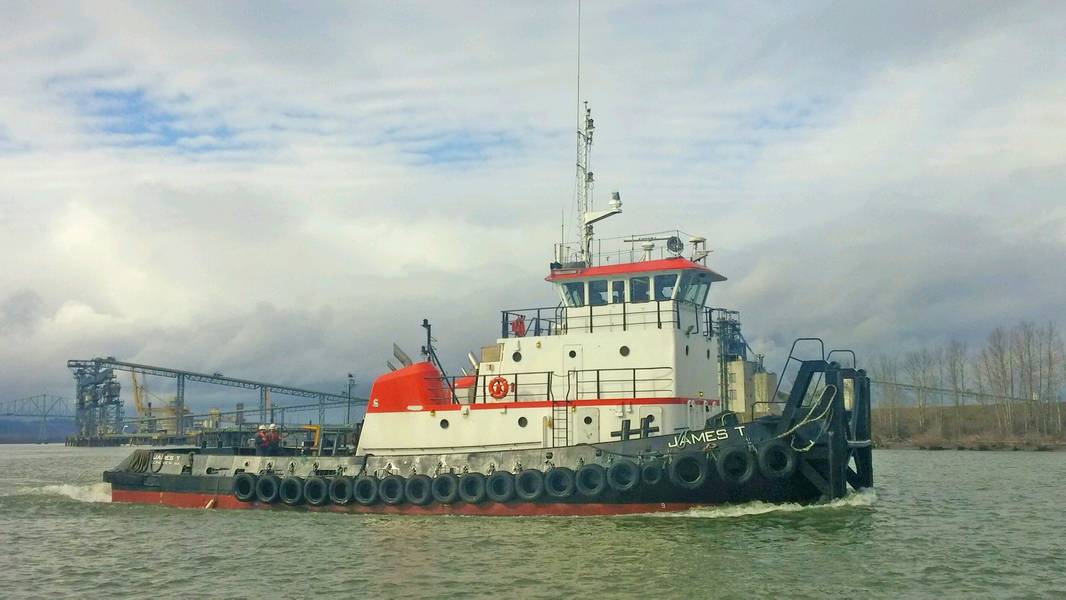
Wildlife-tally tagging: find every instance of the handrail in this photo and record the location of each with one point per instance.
(612, 317)
(582, 384)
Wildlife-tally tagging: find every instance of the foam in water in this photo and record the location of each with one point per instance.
(93, 492)
(865, 497)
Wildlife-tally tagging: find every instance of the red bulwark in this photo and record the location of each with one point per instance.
(417, 385)
(665, 264)
(488, 509)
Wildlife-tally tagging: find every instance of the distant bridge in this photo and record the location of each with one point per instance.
(41, 406)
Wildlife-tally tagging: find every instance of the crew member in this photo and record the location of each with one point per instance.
(274, 440)
(262, 441)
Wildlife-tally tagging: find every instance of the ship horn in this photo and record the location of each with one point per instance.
(473, 361)
(391, 366)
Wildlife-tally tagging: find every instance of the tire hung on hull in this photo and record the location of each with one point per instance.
(266, 488)
(445, 488)
(291, 491)
(391, 490)
(736, 465)
(623, 475)
(316, 491)
(777, 460)
(689, 470)
(499, 486)
(244, 487)
(472, 488)
(365, 490)
(559, 483)
(419, 490)
(340, 490)
(651, 473)
(529, 485)
(591, 480)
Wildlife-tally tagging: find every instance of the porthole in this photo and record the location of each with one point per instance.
(587, 420)
(572, 354)
(624, 350)
(517, 356)
(444, 423)
(522, 422)
(651, 418)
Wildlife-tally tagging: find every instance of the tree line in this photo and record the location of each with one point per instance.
(1010, 387)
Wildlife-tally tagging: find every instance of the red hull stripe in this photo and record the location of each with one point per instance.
(512, 509)
(539, 404)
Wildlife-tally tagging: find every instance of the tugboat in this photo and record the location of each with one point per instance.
(630, 395)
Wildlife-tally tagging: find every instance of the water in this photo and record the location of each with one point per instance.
(940, 525)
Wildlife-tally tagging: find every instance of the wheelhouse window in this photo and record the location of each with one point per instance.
(694, 287)
(598, 292)
(664, 286)
(618, 291)
(574, 293)
(638, 289)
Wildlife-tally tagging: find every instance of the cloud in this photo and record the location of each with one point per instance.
(279, 194)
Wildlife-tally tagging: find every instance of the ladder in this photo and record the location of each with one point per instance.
(561, 416)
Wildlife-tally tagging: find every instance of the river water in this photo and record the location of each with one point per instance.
(938, 524)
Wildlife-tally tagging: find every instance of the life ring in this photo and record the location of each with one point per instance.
(445, 488)
(591, 480)
(529, 485)
(736, 465)
(266, 489)
(365, 490)
(559, 482)
(340, 490)
(500, 486)
(777, 460)
(498, 387)
(291, 491)
(391, 490)
(244, 487)
(689, 470)
(419, 490)
(623, 475)
(316, 491)
(472, 488)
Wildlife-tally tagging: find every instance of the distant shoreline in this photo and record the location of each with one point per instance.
(1019, 445)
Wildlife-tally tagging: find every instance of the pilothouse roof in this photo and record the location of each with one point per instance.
(613, 270)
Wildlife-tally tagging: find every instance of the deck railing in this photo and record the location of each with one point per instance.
(583, 384)
(620, 316)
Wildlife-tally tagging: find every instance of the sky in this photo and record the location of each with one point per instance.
(279, 191)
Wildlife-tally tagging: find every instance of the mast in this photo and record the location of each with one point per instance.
(585, 180)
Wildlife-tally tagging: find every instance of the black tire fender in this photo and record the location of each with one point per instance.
(365, 490)
(736, 465)
(777, 460)
(244, 487)
(267, 488)
(316, 491)
(689, 470)
(419, 490)
(623, 475)
(499, 486)
(445, 488)
(559, 483)
(391, 490)
(529, 485)
(651, 473)
(472, 488)
(340, 490)
(291, 490)
(591, 480)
